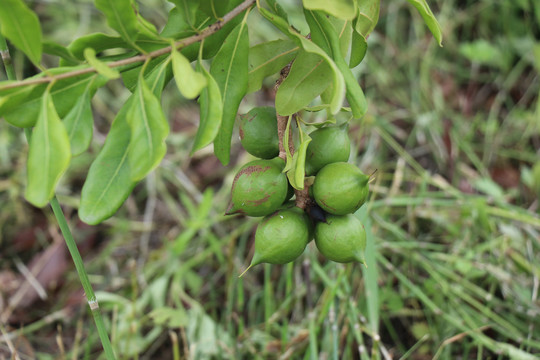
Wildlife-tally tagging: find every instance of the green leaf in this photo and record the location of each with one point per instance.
(368, 16)
(109, 181)
(277, 9)
(230, 70)
(20, 25)
(48, 156)
(97, 41)
(268, 58)
(188, 8)
(189, 82)
(22, 111)
(52, 48)
(79, 121)
(211, 105)
(297, 172)
(338, 89)
(101, 67)
(308, 77)
(358, 49)
(121, 17)
(430, 20)
(343, 9)
(170, 317)
(355, 95)
(149, 129)
(179, 25)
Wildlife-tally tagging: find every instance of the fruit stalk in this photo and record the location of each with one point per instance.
(302, 196)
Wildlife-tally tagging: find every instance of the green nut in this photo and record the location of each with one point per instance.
(340, 188)
(258, 132)
(341, 238)
(328, 145)
(281, 237)
(259, 188)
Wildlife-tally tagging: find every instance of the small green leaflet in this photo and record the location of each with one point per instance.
(121, 17)
(230, 70)
(211, 105)
(343, 9)
(101, 67)
(189, 82)
(338, 89)
(430, 20)
(297, 172)
(149, 129)
(65, 55)
(109, 181)
(308, 77)
(20, 25)
(262, 65)
(48, 156)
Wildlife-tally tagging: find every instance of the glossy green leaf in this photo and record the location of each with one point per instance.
(109, 180)
(22, 111)
(355, 95)
(20, 25)
(211, 105)
(149, 129)
(189, 82)
(101, 67)
(267, 59)
(338, 87)
(48, 156)
(230, 70)
(121, 17)
(358, 49)
(430, 20)
(79, 121)
(343, 9)
(67, 57)
(368, 16)
(308, 77)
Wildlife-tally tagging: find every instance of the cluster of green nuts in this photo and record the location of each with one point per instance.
(261, 189)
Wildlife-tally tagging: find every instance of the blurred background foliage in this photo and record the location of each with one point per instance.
(453, 218)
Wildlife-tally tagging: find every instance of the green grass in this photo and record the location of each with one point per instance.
(453, 252)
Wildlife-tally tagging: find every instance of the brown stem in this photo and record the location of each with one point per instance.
(215, 27)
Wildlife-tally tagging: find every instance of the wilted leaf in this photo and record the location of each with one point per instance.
(48, 156)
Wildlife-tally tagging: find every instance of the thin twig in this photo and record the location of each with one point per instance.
(215, 27)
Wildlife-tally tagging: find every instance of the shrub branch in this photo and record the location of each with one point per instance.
(212, 29)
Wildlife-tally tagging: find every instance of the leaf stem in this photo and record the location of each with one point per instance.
(83, 276)
(215, 27)
(66, 232)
